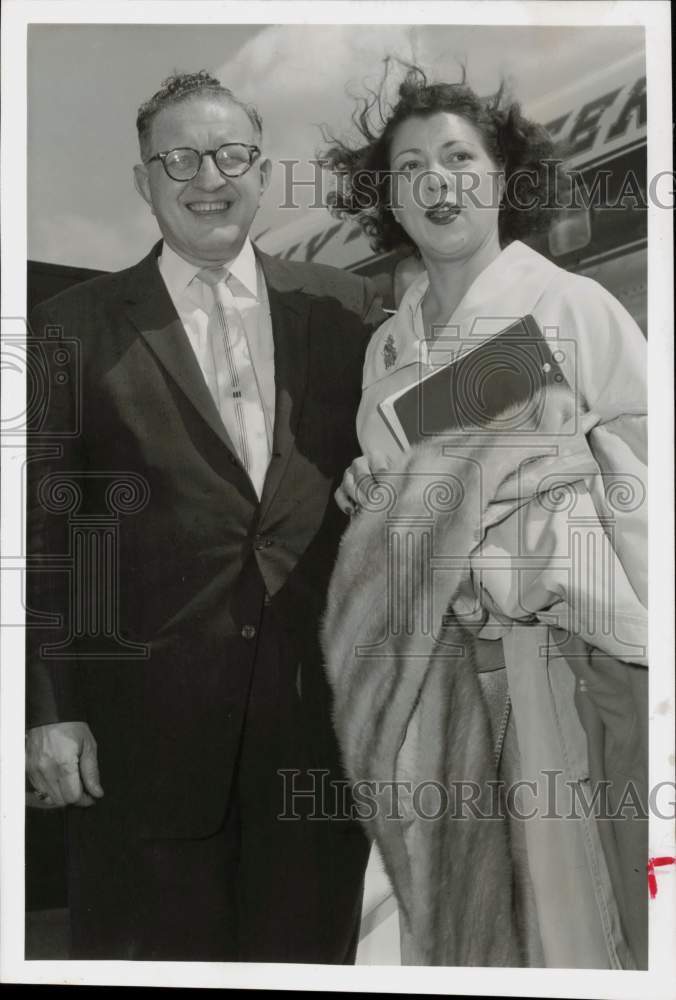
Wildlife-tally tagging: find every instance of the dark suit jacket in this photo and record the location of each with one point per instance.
(133, 480)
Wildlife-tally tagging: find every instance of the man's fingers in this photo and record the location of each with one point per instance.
(43, 775)
(61, 761)
(84, 801)
(89, 770)
(51, 785)
(72, 790)
(38, 796)
(39, 800)
(70, 785)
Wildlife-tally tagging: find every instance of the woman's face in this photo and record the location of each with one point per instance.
(446, 189)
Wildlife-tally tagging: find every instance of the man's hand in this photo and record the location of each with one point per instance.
(62, 764)
(356, 481)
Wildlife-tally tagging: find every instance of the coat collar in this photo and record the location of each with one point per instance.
(505, 291)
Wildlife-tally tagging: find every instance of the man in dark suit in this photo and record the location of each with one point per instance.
(182, 532)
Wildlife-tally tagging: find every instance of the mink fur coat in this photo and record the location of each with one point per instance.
(407, 705)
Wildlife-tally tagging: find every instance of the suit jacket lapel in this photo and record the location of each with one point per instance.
(290, 313)
(151, 310)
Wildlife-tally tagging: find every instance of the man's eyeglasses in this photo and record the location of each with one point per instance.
(232, 159)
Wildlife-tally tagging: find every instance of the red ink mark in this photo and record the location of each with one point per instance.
(654, 863)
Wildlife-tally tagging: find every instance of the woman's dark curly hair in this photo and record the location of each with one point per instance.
(521, 148)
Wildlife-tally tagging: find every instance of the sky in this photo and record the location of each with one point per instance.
(85, 83)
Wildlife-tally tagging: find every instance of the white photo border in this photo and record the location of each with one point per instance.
(658, 981)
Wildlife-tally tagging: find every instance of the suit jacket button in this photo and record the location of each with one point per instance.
(248, 631)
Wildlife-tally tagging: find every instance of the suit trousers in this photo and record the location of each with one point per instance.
(261, 888)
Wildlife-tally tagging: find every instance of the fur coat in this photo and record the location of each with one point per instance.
(407, 705)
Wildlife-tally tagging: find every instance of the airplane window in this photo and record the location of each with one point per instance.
(570, 232)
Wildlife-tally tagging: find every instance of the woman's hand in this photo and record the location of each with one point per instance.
(357, 479)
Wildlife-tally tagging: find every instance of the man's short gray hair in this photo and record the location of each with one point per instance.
(182, 87)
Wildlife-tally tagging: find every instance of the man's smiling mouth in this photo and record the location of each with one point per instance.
(208, 207)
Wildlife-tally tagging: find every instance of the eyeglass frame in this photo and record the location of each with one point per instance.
(254, 153)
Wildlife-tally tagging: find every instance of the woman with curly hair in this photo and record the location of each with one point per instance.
(486, 630)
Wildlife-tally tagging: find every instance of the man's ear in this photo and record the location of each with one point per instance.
(265, 172)
(142, 184)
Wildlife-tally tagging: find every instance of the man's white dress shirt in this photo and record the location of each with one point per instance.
(193, 301)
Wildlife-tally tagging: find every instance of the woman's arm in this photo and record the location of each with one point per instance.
(606, 364)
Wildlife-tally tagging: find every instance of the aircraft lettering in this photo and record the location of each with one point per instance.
(586, 127)
(556, 126)
(634, 106)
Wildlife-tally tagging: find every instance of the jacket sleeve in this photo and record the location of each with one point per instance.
(554, 560)
(610, 378)
(55, 455)
(620, 493)
(556, 552)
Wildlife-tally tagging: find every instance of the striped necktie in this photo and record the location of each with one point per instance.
(232, 378)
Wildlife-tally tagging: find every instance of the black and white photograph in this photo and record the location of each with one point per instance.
(337, 586)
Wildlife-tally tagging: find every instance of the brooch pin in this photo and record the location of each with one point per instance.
(389, 352)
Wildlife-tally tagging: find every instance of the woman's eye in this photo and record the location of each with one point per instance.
(409, 165)
(459, 157)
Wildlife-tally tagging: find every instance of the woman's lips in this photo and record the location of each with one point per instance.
(442, 215)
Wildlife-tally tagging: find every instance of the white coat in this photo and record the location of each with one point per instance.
(557, 573)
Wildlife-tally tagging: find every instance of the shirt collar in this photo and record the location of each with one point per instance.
(243, 267)
(178, 272)
(496, 276)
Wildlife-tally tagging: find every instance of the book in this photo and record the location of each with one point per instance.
(508, 371)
